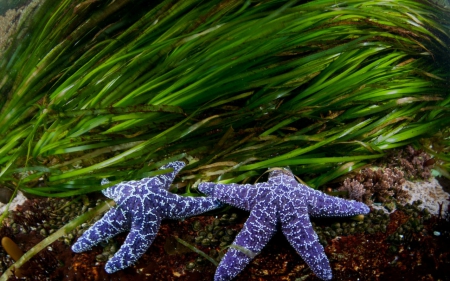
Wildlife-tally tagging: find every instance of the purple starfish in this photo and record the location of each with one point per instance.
(141, 205)
(280, 200)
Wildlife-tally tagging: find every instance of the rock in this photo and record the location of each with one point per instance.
(430, 193)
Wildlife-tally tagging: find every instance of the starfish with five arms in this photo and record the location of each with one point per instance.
(283, 201)
(141, 205)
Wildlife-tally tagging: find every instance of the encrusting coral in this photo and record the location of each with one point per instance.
(385, 184)
(376, 185)
(416, 164)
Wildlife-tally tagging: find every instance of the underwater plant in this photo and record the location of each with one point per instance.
(91, 90)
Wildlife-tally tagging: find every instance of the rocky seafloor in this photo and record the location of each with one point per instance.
(410, 243)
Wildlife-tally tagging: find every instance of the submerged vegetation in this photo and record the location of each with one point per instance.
(93, 89)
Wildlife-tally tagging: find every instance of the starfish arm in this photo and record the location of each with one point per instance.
(257, 231)
(243, 196)
(124, 189)
(112, 223)
(120, 190)
(177, 207)
(321, 204)
(298, 230)
(142, 233)
(207, 188)
(231, 265)
(167, 179)
(104, 181)
(163, 181)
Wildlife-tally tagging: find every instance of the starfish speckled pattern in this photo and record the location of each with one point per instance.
(281, 200)
(141, 205)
